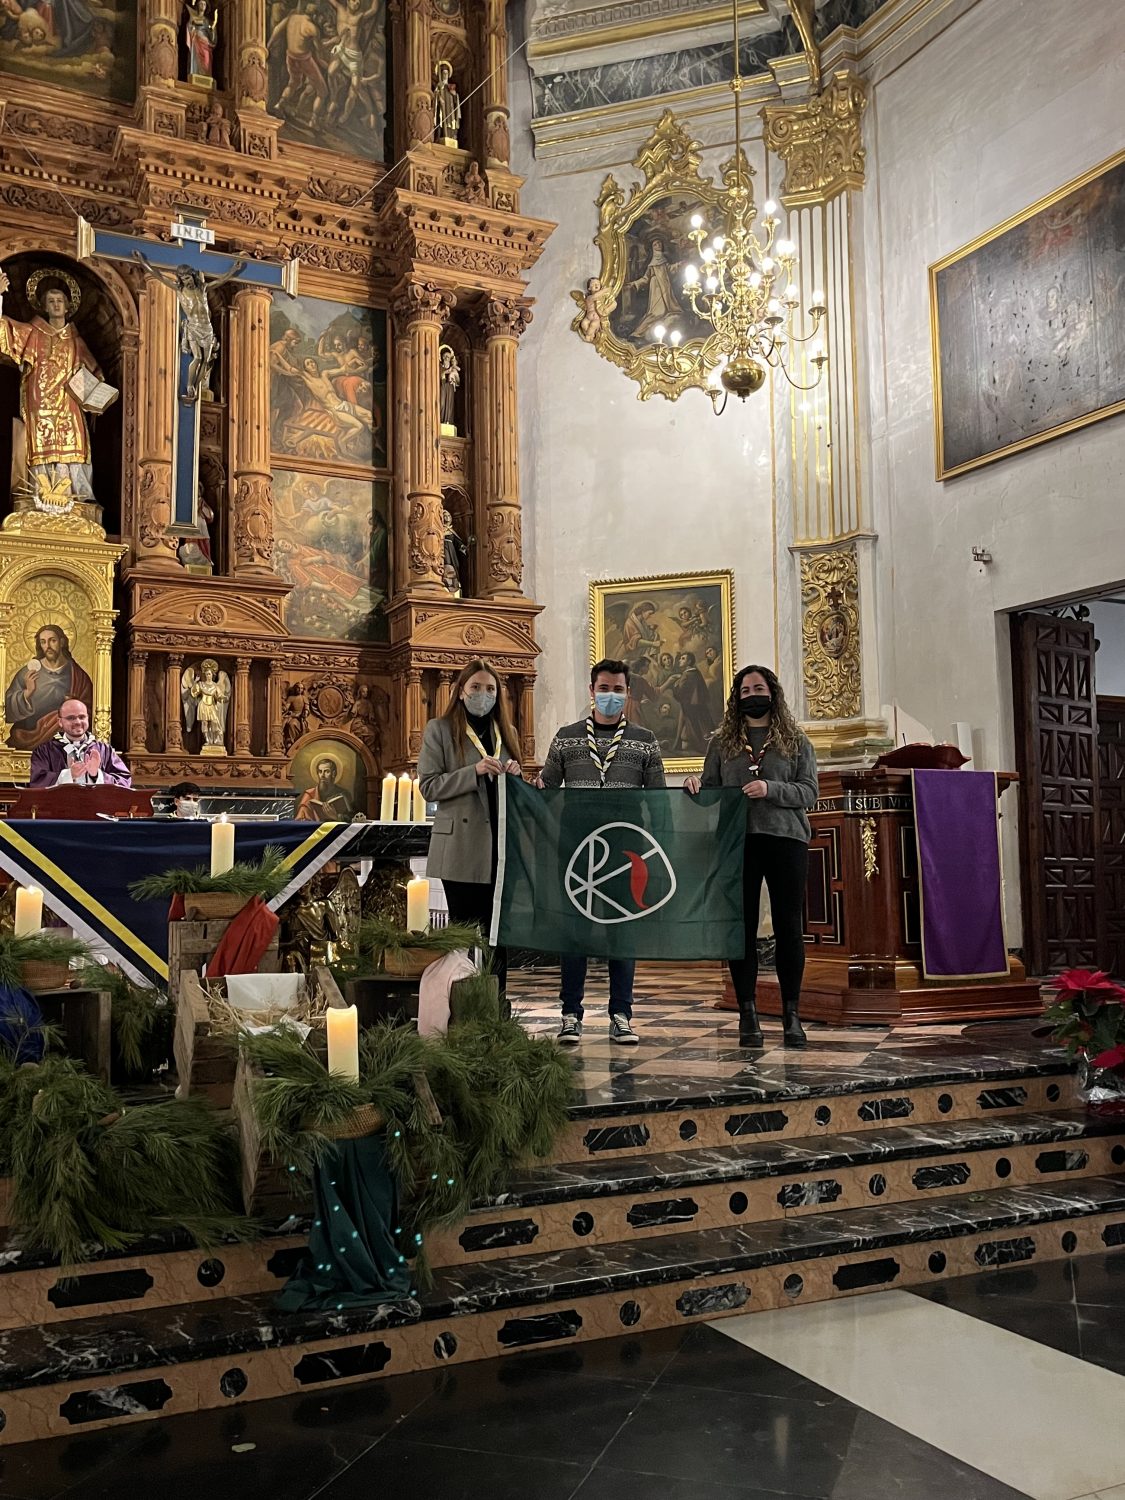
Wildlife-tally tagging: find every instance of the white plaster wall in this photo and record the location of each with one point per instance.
(614, 487)
(1109, 664)
(1004, 107)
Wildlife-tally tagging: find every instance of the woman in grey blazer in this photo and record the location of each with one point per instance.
(463, 753)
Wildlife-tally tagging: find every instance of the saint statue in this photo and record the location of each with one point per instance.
(197, 336)
(453, 550)
(449, 376)
(40, 688)
(200, 35)
(207, 697)
(447, 105)
(50, 355)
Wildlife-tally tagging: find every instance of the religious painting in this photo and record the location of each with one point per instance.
(1029, 325)
(89, 45)
(677, 635)
(657, 248)
(330, 782)
(328, 74)
(49, 660)
(328, 374)
(331, 544)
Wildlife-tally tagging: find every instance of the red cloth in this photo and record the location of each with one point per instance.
(177, 908)
(244, 942)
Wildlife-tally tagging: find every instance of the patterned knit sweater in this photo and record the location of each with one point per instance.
(637, 763)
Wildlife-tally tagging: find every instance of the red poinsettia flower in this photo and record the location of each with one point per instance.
(1074, 981)
(1114, 1058)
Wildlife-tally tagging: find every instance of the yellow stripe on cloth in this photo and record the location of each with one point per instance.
(293, 859)
(84, 900)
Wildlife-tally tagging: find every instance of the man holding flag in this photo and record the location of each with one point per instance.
(604, 750)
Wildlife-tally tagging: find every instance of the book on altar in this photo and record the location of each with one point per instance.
(91, 393)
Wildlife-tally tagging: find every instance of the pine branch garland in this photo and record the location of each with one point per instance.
(267, 878)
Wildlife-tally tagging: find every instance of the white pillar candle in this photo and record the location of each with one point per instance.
(963, 736)
(419, 802)
(222, 846)
(387, 804)
(343, 1041)
(29, 910)
(405, 810)
(417, 905)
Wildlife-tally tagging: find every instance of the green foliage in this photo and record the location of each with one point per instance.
(1084, 1024)
(245, 878)
(378, 937)
(142, 1018)
(45, 947)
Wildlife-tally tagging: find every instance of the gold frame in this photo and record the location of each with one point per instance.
(604, 589)
(670, 162)
(940, 471)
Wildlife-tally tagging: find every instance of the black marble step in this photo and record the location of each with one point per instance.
(756, 1157)
(148, 1339)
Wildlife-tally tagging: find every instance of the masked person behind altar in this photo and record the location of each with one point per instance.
(74, 757)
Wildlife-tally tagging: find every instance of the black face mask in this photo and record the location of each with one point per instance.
(756, 707)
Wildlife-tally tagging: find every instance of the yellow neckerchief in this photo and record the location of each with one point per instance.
(474, 740)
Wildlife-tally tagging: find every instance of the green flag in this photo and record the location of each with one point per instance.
(620, 873)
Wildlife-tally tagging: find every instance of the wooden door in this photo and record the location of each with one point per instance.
(1057, 758)
(1111, 803)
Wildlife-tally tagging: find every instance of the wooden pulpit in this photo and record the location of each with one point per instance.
(863, 921)
(79, 802)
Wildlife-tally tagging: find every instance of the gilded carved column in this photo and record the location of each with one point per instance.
(497, 136)
(241, 705)
(137, 738)
(250, 522)
(163, 110)
(527, 718)
(159, 372)
(275, 743)
(403, 446)
(413, 714)
(444, 692)
(502, 320)
(421, 311)
(832, 543)
(173, 725)
(246, 65)
(419, 76)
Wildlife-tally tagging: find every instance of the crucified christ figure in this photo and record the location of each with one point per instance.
(198, 336)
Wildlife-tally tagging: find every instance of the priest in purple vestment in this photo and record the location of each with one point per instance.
(74, 757)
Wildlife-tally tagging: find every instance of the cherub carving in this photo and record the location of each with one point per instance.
(596, 304)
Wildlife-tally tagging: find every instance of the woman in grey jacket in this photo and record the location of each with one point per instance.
(463, 753)
(759, 748)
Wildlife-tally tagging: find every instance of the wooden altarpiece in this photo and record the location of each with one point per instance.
(429, 242)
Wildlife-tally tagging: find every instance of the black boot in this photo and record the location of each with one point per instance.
(793, 1034)
(749, 1028)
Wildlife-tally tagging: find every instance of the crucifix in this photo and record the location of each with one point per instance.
(191, 269)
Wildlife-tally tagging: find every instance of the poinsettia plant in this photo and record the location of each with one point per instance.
(1088, 1016)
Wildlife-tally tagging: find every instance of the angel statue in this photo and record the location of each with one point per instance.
(198, 336)
(595, 305)
(207, 697)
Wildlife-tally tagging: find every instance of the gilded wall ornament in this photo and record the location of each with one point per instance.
(830, 648)
(820, 142)
(644, 241)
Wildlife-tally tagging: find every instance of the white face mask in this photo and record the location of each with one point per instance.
(482, 702)
(188, 808)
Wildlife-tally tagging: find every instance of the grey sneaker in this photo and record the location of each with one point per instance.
(621, 1031)
(570, 1032)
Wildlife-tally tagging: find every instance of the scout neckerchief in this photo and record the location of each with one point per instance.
(756, 760)
(601, 765)
(474, 740)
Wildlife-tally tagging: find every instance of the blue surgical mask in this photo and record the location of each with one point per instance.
(610, 705)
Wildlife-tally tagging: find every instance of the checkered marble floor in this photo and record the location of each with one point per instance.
(686, 1044)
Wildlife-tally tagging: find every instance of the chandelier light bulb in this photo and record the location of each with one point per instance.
(755, 279)
(818, 355)
(691, 275)
(712, 283)
(818, 304)
(769, 265)
(718, 242)
(786, 249)
(708, 256)
(791, 298)
(674, 337)
(769, 208)
(697, 221)
(658, 333)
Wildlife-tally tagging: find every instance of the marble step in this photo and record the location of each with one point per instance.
(105, 1370)
(757, 1180)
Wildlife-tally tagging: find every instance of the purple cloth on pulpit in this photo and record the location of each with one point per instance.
(48, 759)
(961, 896)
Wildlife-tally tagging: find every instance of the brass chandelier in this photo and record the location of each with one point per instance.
(745, 286)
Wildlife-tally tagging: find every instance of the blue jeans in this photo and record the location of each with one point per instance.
(621, 971)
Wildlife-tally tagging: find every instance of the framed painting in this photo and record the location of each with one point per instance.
(677, 635)
(328, 374)
(72, 45)
(1028, 325)
(331, 544)
(329, 68)
(330, 781)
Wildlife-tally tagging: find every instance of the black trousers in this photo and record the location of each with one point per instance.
(471, 901)
(784, 865)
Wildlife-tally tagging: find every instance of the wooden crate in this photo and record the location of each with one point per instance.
(84, 1016)
(191, 944)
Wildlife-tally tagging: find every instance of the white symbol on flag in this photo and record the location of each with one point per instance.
(616, 894)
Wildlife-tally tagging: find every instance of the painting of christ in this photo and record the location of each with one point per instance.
(89, 45)
(331, 544)
(328, 64)
(328, 383)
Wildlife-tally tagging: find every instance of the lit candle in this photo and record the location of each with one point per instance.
(387, 805)
(419, 803)
(222, 846)
(417, 905)
(343, 1041)
(29, 910)
(405, 799)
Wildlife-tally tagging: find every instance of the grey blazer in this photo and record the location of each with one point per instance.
(461, 833)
